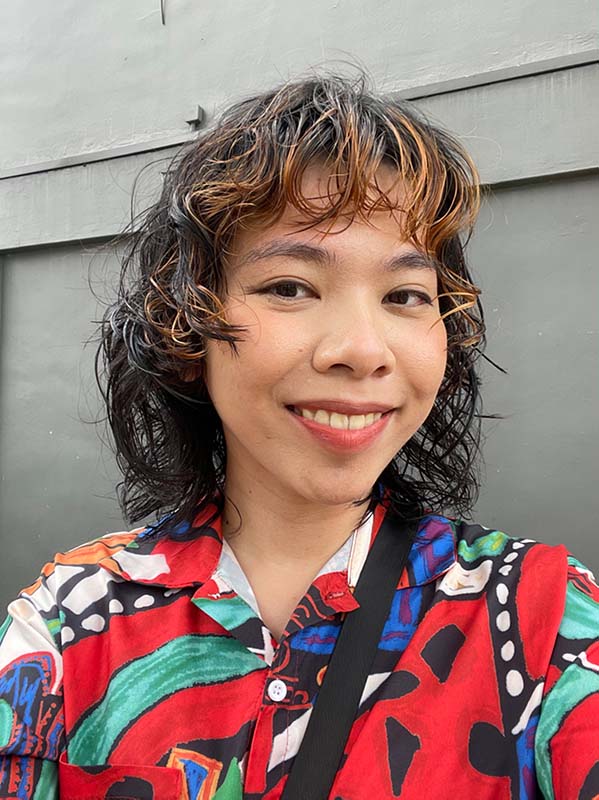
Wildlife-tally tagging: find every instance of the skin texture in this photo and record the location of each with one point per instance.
(350, 330)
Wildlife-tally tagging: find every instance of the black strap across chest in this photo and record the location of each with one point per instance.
(334, 711)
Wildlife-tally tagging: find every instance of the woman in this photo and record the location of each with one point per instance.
(289, 371)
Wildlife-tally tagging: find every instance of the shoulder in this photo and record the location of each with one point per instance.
(82, 561)
(122, 571)
(506, 554)
(551, 569)
(566, 744)
(493, 556)
(522, 582)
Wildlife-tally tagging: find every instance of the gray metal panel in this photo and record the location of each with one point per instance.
(75, 204)
(85, 76)
(536, 257)
(516, 130)
(56, 485)
(526, 128)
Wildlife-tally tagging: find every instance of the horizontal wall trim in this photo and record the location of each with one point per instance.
(80, 160)
(459, 84)
(546, 177)
(535, 129)
(515, 72)
(93, 241)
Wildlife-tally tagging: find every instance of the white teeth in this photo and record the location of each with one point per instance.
(354, 422)
(339, 421)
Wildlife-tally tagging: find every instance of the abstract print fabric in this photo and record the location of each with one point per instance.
(138, 667)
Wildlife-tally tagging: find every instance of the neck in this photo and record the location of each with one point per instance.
(285, 531)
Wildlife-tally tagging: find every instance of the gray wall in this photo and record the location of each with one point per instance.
(93, 92)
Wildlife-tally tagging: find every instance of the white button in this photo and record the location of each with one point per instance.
(277, 690)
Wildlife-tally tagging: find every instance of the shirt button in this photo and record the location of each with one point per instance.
(277, 690)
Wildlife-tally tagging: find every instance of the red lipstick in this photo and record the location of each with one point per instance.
(344, 440)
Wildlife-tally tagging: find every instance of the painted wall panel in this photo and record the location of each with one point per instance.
(79, 77)
(535, 253)
(56, 483)
(515, 130)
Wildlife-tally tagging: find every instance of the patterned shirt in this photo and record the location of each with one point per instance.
(139, 667)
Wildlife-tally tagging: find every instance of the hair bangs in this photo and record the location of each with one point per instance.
(259, 167)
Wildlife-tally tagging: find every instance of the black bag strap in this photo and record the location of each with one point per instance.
(316, 764)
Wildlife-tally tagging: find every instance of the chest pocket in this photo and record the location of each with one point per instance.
(118, 782)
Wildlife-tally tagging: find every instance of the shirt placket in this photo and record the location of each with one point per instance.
(293, 680)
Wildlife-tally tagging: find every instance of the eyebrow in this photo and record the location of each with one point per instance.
(303, 251)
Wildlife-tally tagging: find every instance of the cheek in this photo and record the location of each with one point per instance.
(264, 354)
(219, 375)
(426, 360)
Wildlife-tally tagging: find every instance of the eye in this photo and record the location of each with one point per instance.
(287, 290)
(408, 298)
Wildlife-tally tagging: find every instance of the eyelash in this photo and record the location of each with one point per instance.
(269, 290)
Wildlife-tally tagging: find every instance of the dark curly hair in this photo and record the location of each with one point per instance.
(249, 166)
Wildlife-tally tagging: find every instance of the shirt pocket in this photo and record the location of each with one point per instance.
(118, 782)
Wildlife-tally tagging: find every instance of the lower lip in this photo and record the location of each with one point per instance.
(344, 440)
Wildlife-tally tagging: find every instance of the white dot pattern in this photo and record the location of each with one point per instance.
(502, 593)
(93, 623)
(144, 601)
(514, 683)
(67, 634)
(115, 606)
(507, 651)
(503, 620)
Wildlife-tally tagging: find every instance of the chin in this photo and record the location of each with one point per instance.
(338, 492)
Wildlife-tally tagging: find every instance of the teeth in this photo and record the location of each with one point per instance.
(339, 421)
(355, 422)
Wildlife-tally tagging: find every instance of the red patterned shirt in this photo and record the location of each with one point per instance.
(138, 667)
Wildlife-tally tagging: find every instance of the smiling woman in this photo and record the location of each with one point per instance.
(280, 174)
(289, 374)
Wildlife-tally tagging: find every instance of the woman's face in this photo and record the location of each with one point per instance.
(342, 360)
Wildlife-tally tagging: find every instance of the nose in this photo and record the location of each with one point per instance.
(353, 340)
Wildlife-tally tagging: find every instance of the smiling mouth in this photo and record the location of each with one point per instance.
(342, 422)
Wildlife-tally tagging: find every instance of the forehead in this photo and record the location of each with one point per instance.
(377, 232)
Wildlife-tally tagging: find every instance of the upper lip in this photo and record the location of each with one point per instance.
(343, 407)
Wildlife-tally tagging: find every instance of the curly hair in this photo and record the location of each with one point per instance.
(249, 167)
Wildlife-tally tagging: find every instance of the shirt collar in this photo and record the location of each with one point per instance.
(191, 559)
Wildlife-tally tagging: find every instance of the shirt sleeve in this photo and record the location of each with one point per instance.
(567, 738)
(31, 708)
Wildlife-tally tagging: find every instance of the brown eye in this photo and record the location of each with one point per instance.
(409, 298)
(287, 290)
